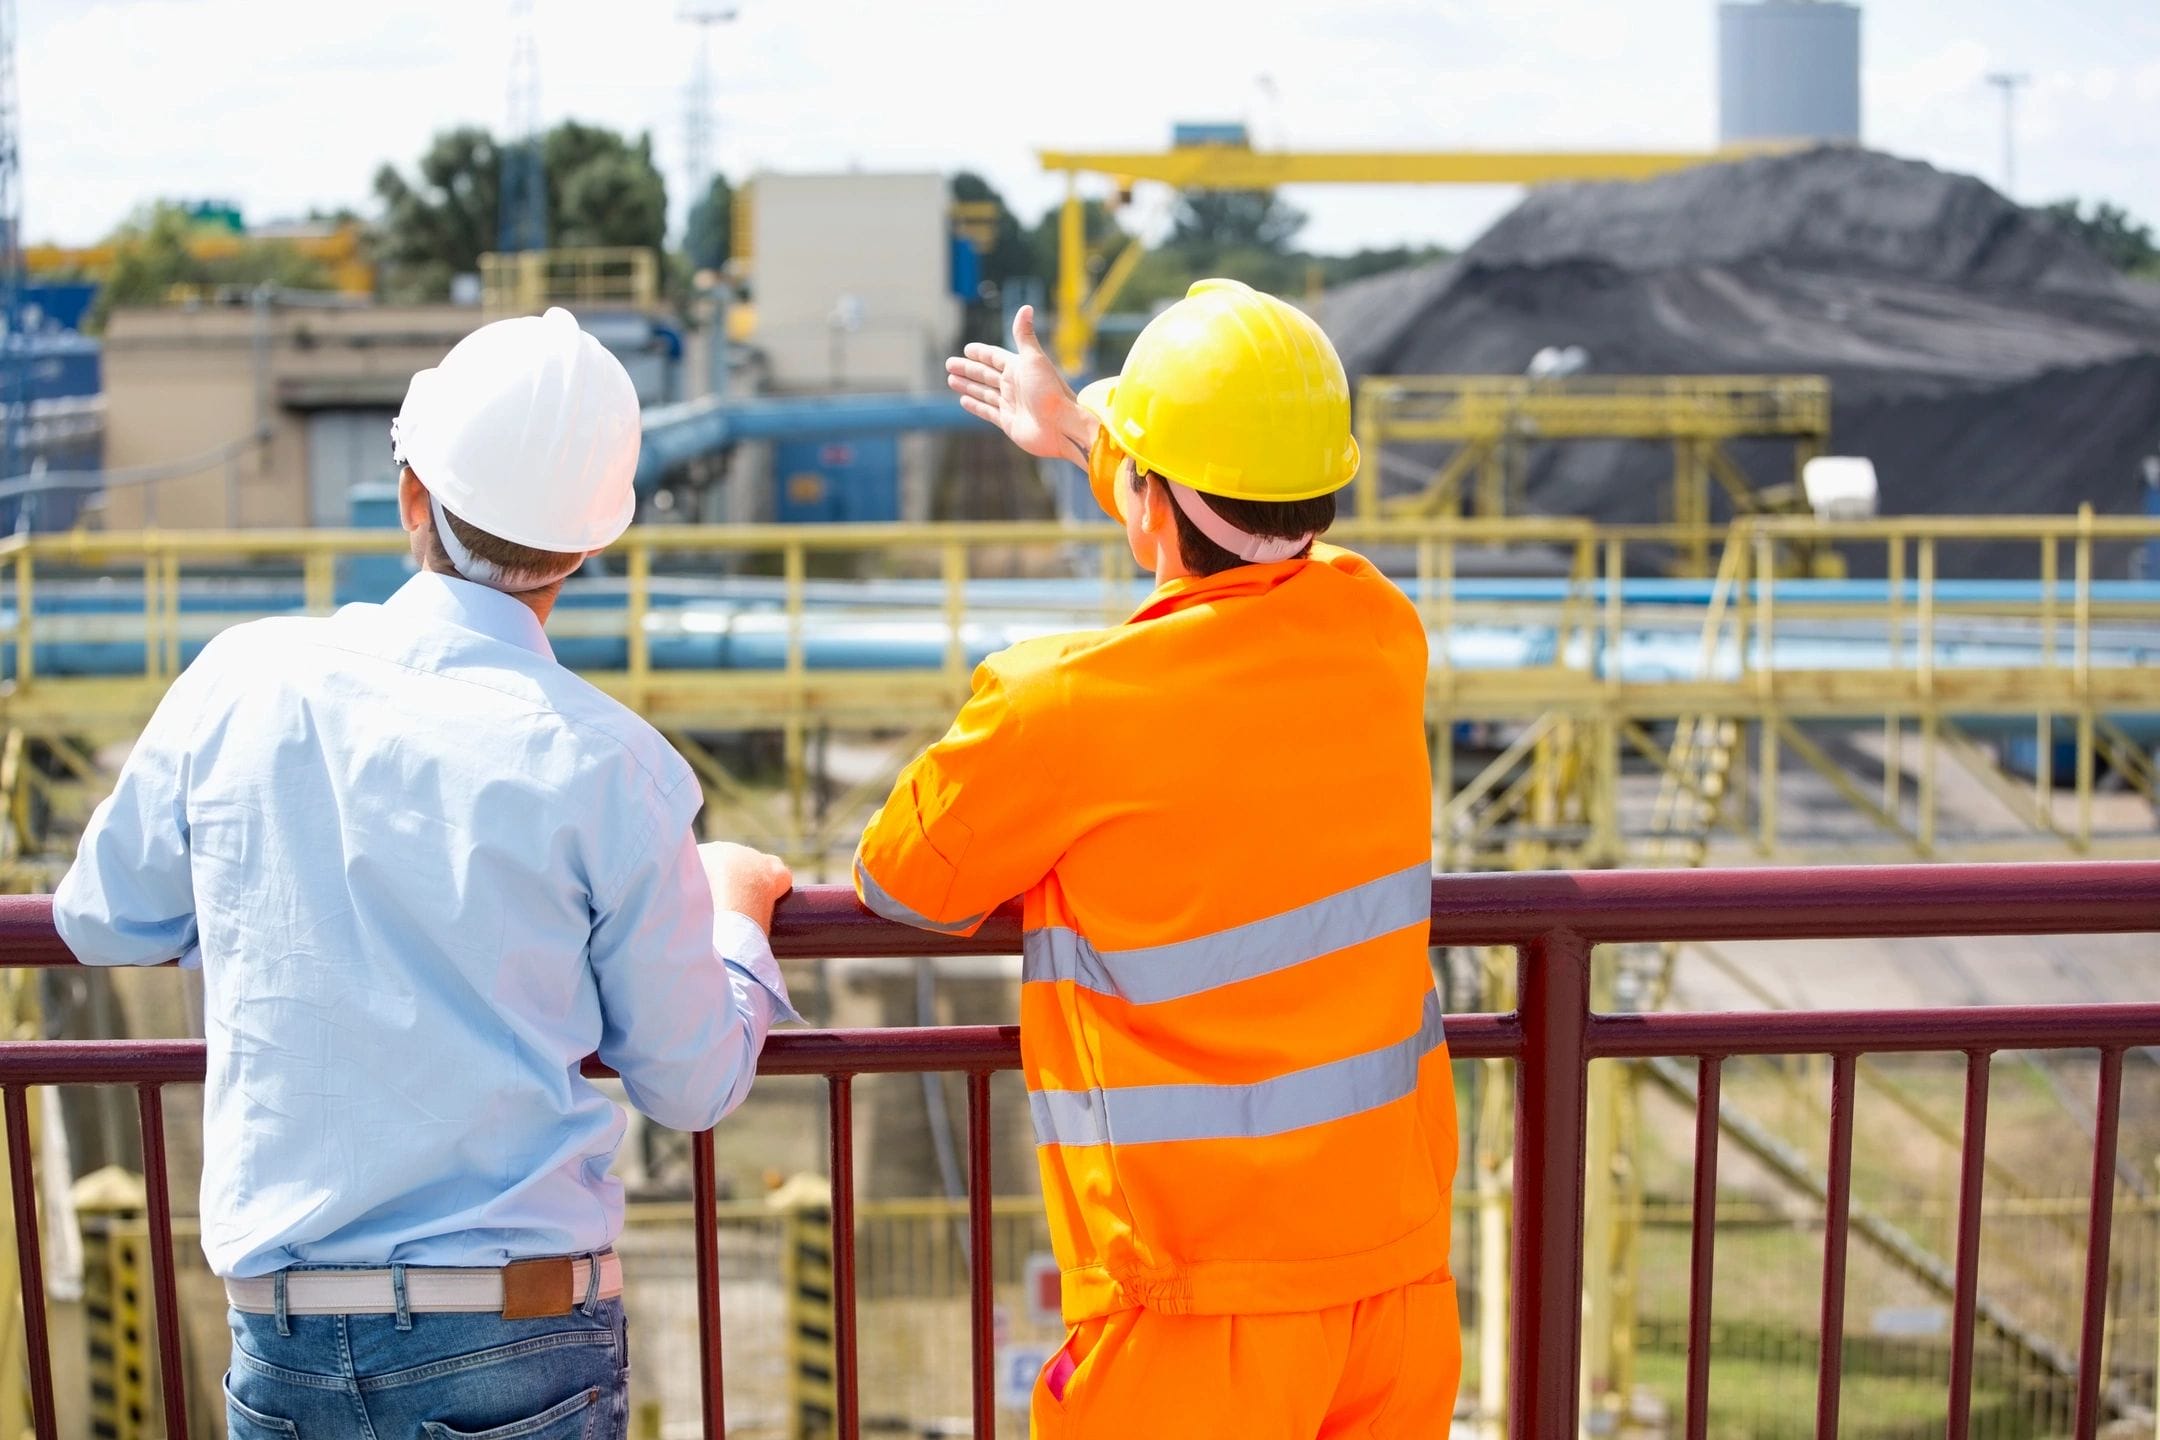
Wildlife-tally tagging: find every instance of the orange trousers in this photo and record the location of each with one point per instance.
(1383, 1368)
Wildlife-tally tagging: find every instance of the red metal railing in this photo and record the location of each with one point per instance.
(1552, 920)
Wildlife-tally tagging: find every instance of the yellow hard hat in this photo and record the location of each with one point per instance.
(1233, 393)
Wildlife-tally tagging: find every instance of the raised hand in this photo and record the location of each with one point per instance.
(1022, 393)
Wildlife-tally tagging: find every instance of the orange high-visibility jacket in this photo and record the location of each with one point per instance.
(1219, 814)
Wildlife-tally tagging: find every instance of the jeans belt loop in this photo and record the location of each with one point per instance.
(284, 1316)
(592, 1286)
(397, 1288)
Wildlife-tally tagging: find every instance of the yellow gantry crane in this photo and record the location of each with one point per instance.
(1221, 157)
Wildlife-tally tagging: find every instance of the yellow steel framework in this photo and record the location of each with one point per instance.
(1564, 730)
(1238, 167)
(1490, 420)
(527, 282)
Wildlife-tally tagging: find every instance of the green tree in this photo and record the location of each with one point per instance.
(1342, 269)
(1210, 222)
(152, 257)
(437, 223)
(602, 188)
(709, 238)
(440, 222)
(1098, 225)
(2113, 233)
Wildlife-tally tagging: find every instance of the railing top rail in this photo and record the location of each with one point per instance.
(1812, 903)
(105, 545)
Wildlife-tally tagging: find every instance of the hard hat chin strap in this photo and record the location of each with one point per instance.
(1252, 549)
(485, 572)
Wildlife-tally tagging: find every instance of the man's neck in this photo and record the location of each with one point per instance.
(541, 602)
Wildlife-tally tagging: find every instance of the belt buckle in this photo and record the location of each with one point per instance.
(537, 1289)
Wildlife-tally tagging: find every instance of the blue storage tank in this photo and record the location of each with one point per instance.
(856, 479)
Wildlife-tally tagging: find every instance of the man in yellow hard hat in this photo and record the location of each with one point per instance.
(1219, 816)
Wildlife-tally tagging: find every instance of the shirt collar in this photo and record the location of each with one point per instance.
(1239, 580)
(472, 607)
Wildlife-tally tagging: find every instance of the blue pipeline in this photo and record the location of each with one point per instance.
(678, 433)
(95, 628)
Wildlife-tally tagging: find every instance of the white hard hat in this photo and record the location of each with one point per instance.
(528, 430)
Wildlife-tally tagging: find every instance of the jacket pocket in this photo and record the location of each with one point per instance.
(241, 1423)
(573, 1419)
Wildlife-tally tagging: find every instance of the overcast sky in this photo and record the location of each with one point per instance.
(285, 104)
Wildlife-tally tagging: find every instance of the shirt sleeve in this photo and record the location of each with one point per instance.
(966, 827)
(686, 996)
(129, 898)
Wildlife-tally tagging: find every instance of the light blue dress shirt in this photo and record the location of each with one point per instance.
(427, 871)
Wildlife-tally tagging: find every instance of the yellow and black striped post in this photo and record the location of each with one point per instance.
(807, 1272)
(110, 1204)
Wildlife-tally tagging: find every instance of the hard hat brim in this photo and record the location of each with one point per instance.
(1095, 399)
(1100, 400)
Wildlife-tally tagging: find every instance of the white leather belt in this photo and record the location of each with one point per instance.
(534, 1288)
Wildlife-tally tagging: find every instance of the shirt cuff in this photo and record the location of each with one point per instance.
(745, 947)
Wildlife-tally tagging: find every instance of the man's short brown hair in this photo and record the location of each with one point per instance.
(516, 561)
(1267, 518)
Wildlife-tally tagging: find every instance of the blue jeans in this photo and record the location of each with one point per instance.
(448, 1377)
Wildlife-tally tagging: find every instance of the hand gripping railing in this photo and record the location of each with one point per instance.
(1552, 920)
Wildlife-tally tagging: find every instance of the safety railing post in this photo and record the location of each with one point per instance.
(634, 613)
(25, 650)
(1893, 780)
(2082, 603)
(1551, 1135)
(1930, 717)
(953, 564)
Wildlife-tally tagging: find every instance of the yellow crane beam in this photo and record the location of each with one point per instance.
(1231, 167)
(1239, 167)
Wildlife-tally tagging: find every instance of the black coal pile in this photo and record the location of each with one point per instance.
(1980, 355)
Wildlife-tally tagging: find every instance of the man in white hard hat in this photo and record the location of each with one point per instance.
(426, 872)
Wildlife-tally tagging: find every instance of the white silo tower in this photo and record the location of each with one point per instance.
(1788, 70)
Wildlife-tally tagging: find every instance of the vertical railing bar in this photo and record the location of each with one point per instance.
(25, 644)
(2081, 616)
(705, 1229)
(1893, 801)
(1972, 1174)
(848, 1420)
(2099, 1229)
(172, 612)
(639, 604)
(1930, 717)
(164, 1282)
(953, 562)
(30, 1265)
(2044, 723)
(1837, 1215)
(981, 1274)
(1551, 1134)
(1703, 1250)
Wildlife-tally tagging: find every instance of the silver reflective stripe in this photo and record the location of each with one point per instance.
(1150, 1114)
(874, 896)
(1191, 967)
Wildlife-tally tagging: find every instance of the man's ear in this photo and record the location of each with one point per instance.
(1155, 506)
(412, 500)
